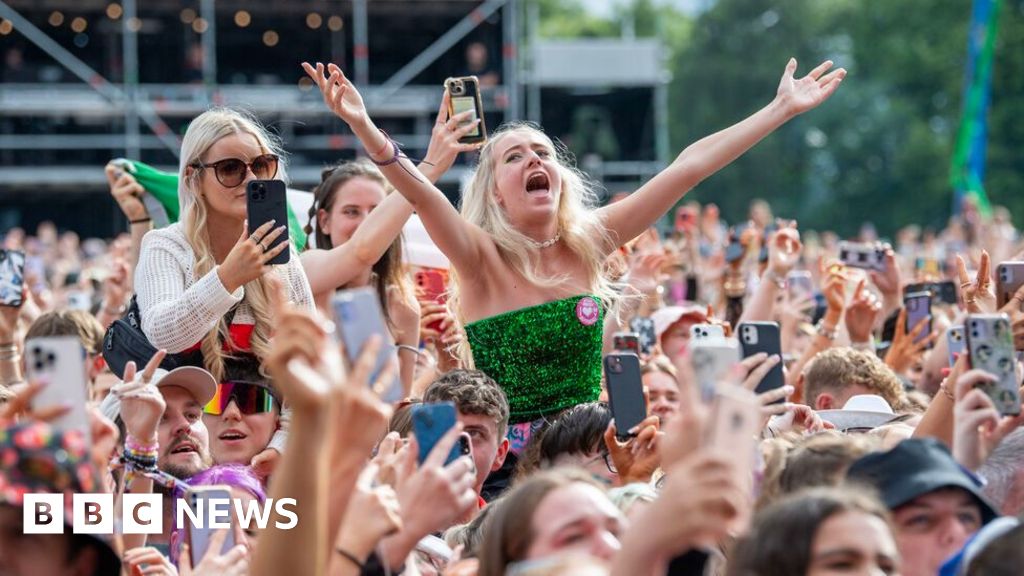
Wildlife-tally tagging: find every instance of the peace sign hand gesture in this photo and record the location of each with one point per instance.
(800, 95)
(339, 93)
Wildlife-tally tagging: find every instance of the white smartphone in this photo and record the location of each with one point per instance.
(706, 331)
(713, 361)
(199, 538)
(359, 315)
(59, 363)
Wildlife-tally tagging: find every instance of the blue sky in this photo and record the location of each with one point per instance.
(605, 7)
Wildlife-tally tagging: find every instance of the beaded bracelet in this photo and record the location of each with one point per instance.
(134, 444)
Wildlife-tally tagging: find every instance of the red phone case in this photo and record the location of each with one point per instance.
(432, 286)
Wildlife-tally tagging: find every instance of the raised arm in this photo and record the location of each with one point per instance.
(460, 241)
(628, 218)
(328, 269)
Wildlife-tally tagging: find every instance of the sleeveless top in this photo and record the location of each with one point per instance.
(546, 357)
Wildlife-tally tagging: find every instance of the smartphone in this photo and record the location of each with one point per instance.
(713, 362)
(990, 345)
(733, 431)
(430, 422)
(919, 307)
(706, 331)
(956, 342)
(465, 95)
(12, 277)
(359, 315)
(625, 392)
(432, 285)
(756, 337)
(1009, 279)
(799, 285)
(643, 326)
(267, 200)
(864, 256)
(198, 498)
(944, 292)
(626, 342)
(59, 362)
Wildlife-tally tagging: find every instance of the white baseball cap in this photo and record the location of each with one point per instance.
(200, 383)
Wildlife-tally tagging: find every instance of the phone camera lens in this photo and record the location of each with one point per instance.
(51, 358)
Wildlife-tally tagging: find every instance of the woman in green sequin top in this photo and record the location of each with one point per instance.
(528, 252)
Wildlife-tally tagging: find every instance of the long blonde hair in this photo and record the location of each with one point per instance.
(578, 224)
(208, 128)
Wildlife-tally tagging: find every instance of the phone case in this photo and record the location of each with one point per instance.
(861, 256)
(990, 343)
(199, 538)
(465, 95)
(956, 342)
(706, 331)
(919, 307)
(431, 284)
(764, 337)
(733, 431)
(625, 391)
(59, 361)
(12, 277)
(1009, 279)
(429, 423)
(712, 362)
(267, 200)
(643, 326)
(359, 315)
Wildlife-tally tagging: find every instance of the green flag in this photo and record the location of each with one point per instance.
(163, 188)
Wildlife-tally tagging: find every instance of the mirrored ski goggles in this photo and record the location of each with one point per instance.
(250, 398)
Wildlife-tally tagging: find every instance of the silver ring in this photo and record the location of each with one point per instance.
(262, 246)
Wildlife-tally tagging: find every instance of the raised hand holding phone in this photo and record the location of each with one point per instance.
(58, 362)
(250, 255)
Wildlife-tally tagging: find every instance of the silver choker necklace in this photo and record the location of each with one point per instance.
(547, 243)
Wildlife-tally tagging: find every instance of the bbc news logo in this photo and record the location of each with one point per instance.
(143, 514)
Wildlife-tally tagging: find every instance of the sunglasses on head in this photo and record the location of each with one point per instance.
(230, 172)
(250, 398)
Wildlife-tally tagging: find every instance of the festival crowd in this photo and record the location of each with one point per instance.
(866, 441)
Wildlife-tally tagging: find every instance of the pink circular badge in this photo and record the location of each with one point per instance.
(587, 311)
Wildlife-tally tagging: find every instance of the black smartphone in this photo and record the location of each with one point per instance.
(626, 342)
(919, 308)
(12, 277)
(1009, 279)
(643, 326)
(864, 256)
(990, 345)
(944, 292)
(267, 200)
(430, 422)
(756, 337)
(465, 95)
(625, 392)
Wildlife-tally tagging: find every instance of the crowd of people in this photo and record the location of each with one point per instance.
(877, 452)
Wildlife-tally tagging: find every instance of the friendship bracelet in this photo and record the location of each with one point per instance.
(385, 147)
(141, 220)
(351, 558)
(395, 158)
(134, 444)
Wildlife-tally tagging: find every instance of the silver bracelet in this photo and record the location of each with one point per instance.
(412, 349)
(829, 333)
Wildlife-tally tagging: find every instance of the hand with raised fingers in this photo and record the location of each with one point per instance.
(754, 369)
(235, 562)
(798, 95)
(127, 192)
(888, 280)
(444, 144)
(147, 561)
(978, 426)
(248, 259)
(978, 295)
(117, 286)
(638, 458)
(784, 249)
(433, 495)
(142, 404)
(904, 351)
(339, 93)
(373, 513)
(862, 313)
(834, 288)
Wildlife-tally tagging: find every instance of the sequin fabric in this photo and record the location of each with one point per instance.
(546, 358)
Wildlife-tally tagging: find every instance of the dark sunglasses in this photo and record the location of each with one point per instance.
(250, 398)
(231, 172)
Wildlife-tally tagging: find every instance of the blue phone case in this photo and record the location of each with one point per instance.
(429, 423)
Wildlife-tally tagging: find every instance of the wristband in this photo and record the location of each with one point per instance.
(774, 278)
(829, 333)
(351, 558)
(141, 220)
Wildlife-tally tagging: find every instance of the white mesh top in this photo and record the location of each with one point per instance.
(178, 309)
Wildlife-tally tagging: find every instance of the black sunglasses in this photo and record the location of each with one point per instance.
(230, 172)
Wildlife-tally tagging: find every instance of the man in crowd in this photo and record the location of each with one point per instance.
(838, 374)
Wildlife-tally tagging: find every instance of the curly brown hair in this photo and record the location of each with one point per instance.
(837, 369)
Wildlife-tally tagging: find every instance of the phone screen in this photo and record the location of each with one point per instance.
(12, 277)
(461, 104)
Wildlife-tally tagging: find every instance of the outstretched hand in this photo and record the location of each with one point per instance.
(802, 94)
(339, 93)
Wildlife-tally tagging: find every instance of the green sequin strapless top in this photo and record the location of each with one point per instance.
(546, 357)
